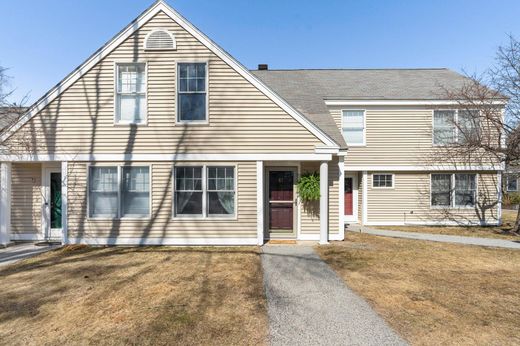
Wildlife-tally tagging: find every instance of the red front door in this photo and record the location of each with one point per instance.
(349, 200)
(281, 200)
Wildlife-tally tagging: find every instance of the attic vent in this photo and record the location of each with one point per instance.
(160, 39)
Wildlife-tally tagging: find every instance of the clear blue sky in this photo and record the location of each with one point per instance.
(44, 40)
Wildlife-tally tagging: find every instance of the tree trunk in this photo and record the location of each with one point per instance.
(516, 228)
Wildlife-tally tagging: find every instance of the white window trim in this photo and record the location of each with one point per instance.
(144, 121)
(364, 127)
(452, 193)
(507, 183)
(119, 181)
(177, 115)
(159, 49)
(384, 187)
(205, 215)
(456, 122)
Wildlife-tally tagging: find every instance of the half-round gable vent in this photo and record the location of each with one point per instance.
(160, 39)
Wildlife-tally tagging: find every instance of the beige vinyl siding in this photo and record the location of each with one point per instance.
(397, 136)
(241, 118)
(161, 224)
(409, 201)
(310, 211)
(26, 199)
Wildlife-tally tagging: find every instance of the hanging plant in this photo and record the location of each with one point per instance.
(309, 187)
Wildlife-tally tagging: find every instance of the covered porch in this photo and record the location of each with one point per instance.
(281, 212)
(33, 201)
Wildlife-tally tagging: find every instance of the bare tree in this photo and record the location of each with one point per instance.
(486, 129)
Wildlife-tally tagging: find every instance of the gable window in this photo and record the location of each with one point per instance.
(353, 127)
(453, 190)
(118, 192)
(131, 93)
(204, 191)
(382, 180)
(512, 183)
(192, 94)
(451, 126)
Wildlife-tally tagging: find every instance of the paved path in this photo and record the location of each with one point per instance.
(439, 237)
(21, 251)
(308, 304)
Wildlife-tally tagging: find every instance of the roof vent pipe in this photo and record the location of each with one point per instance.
(263, 67)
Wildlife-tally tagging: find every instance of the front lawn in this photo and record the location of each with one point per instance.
(150, 295)
(497, 232)
(434, 293)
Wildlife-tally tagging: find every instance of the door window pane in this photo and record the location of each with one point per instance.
(135, 194)
(103, 192)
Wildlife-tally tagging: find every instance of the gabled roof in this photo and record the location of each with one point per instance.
(307, 90)
(157, 7)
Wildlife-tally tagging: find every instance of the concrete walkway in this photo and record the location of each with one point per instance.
(20, 251)
(509, 244)
(308, 304)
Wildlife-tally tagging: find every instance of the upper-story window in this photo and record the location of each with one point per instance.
(131, 93)
(353, 127)
(451, 126)
(192, 94)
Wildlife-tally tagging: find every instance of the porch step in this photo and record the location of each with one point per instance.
(282, 242)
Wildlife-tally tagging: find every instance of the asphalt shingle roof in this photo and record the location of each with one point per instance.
(307, 90)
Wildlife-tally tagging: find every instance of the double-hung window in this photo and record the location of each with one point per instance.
(453, 190)
(454, 126)
(204, 191)
(192, 93)
(117, 192)
(131, 93)
(353, 127)
(443, 127)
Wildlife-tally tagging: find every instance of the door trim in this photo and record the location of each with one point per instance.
(355, 197)
(47, 169)
(296, 207)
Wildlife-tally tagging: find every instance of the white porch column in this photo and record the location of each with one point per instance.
(5, 203)
(64, 203)
(260, 202)
(364, 217)
(324, 202)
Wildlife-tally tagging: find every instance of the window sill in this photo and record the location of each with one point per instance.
(201, 218)
(131, 124)
(129, 218)
(198, 123)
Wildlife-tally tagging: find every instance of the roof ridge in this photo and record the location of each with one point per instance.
(358, 69)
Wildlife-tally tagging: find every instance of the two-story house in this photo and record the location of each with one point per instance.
(161, 137)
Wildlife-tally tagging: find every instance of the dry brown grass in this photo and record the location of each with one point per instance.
(497, 232)
(139, 296)
(433, 293)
